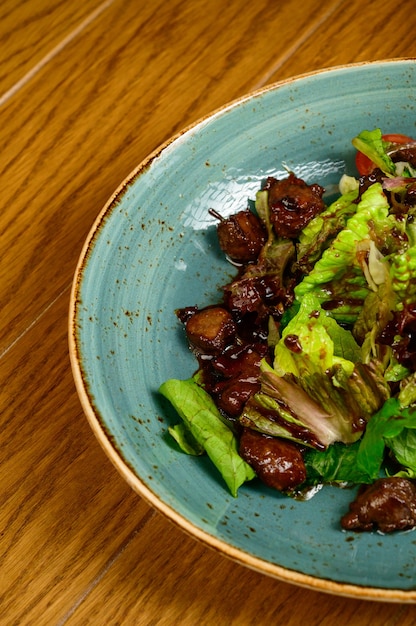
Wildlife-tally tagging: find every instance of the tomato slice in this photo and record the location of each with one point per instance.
(397, 138)
(365, 166)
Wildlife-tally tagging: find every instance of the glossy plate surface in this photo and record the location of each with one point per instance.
(153, 249)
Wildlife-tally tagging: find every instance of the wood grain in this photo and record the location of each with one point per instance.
(87, 90)
(32, 32)
(209, 589)
(376, 31)
(74, 140)
(64, 511)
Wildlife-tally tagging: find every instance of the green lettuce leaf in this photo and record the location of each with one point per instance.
(403, 447)
(336, 464)
(403, 277)
(370, 143)
(200, 415)
(407, 391)
(392, 428)
(382, 430)
(322, 229)
(373, 317)
(185, 440)
(338, 278)
(320, 342)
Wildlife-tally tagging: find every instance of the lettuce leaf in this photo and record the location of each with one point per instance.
(317, 391)
(338, 278)
(321, 342)
(403, 447)
(323, 228)
(336, 464)
(403, 277)
(392, 428)
(200, 415)
(370, 143)
(383, 430)
(185, 440)
(407, 391)
(283, 409)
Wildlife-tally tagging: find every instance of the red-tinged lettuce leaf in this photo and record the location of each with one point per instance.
(317, 392)
(267, 413)
(328, 406)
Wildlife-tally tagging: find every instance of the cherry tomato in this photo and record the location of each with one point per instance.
(365, 166)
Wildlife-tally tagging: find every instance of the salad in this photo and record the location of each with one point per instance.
(306, 369)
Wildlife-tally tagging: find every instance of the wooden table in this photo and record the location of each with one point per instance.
(87, 89)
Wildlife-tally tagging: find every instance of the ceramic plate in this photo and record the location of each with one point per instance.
(153, 249)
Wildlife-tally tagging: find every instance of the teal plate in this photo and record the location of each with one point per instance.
(153, 249)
